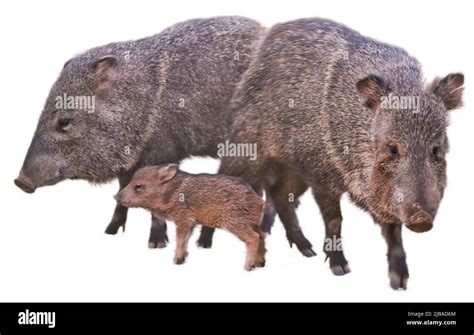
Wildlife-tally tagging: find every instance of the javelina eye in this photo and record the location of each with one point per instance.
(436, 152)
(138, 187)
(63, 123)
(393, 149)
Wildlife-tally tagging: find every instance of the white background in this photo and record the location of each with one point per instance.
(52, 245)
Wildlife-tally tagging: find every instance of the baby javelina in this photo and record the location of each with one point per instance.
(215, 201)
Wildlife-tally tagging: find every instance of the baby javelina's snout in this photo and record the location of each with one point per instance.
(216, 201)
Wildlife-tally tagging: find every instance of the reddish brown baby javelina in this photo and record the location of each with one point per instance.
(215, 201)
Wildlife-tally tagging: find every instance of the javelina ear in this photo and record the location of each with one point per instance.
(371, 90)
(449, 90)
(65, 64)
(104, 69)
(167, 172)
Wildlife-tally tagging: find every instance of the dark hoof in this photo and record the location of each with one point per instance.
(397, 281)
(338, 263)
(254, 266)
(204, 242)
(179, 260)
(308, 252)
(260, 264)
(158, 239)
(398, 273)
(159, 245)
(205, 238)
(113, 228)
(340, 270)
(303, 245)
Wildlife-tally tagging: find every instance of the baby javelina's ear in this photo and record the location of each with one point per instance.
(167, 172)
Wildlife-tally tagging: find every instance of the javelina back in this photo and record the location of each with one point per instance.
(126, 105)
(339, 112)
(213, 200)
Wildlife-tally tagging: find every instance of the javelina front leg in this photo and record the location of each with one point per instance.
(329, 205)
(397, 266)
(183, 233)
(158, 237)
(120, 214)
(118, 220)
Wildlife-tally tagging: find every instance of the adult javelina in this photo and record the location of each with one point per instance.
(157, 100)
(312, 101)
(209, 199)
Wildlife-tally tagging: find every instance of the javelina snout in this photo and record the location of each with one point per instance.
(45, 173)
(123, 198)
(43, 164)
(24, 183)
(419, 220)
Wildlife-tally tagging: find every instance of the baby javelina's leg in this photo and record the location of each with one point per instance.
(250, 234)
(261, 249)
(184, 228)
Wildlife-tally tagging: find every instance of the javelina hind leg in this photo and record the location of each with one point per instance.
(252, 240)
(397, 266)
(158, 237)
(330, 207)
(238, 167)
(183, 233)
(285, 193)
(252, 243)
(261, 251)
